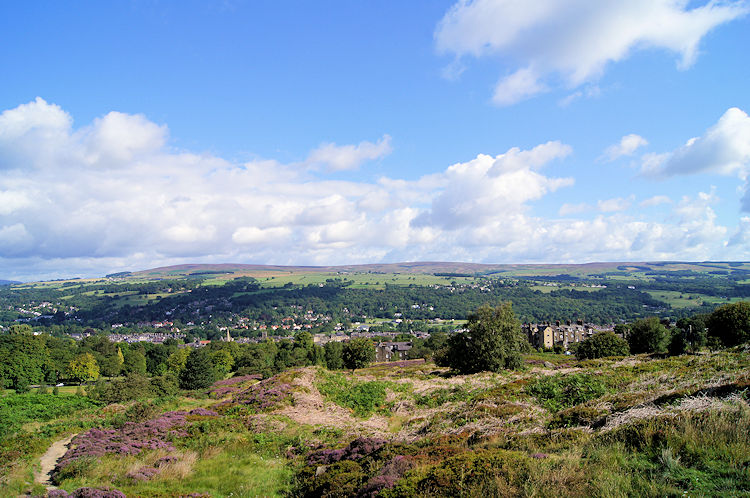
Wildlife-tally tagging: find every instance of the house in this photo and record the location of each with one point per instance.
(391, 351)
(546, 335)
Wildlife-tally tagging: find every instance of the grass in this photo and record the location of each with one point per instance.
(363, 398)
(641, 426)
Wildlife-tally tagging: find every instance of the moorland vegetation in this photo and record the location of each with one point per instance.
(281, 420)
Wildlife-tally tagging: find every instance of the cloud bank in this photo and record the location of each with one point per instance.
(112, 195)
(572, 41)
(724, 149)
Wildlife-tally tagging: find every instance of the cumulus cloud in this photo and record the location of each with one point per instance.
(614, 205)
(626, 147)
(348, 157)
(111, 196)
(724, 149)
(488, 188)
(656, 200)
(568, 209)
(574, 40)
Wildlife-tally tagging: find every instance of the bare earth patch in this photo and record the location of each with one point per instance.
(311, 408)
(49, 460)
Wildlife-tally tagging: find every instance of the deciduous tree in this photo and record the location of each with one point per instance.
(358, 353)
(199, 371)
(492, 342)
(83, 368)
(601, 345)
(730, 323)
(648, 335)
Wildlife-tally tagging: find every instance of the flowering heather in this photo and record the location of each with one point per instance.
(399, 364)
(165, 461)
(87, 493)
(131, 439)
(222, 388)
(391, 472)
(263, 396)
(360, 447)
(237, 380)
(203, 412)
(143, 474)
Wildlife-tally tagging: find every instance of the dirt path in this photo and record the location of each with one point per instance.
(49, 460)
(311, 409)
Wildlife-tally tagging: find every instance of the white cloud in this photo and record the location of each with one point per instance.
(568, 209)
(518, 86)
(574, 39)
(140, 205)
(488, 188)
(348, 157)
(741, 237)
(656, 200)
(626, 147)
(119, 138)
(723, 149)
(590, 91)
(614, 205)
(267, 236)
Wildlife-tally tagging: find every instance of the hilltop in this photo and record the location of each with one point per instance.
(636, 425)
(583, 270)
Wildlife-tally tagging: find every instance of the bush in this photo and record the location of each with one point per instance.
(493, 342)
(730, 323)
(358, 353)
(602, 345)
(132, 387)
(334, 358)
(474, 473)
(648, 335)
(199, 371)
(678, 343)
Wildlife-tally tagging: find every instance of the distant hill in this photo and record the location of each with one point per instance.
(446, 268)
(8, 282)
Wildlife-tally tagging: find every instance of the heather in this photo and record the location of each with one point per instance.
(233, 385)
(131, 439)
(638, 426)
(266, 395)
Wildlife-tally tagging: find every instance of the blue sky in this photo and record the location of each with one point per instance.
(136, 134)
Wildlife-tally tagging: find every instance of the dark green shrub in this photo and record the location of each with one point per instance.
(358, 353)
(199, 371)
(341, 479)
(493, 342)
(22, 385)
(678, 343)
(602, 345)
(648, 335)
(165, 385)
(577, 415)
(132, 387)
(730, 323)
(472, 473)
(333, 353)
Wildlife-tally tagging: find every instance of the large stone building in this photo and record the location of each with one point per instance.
(549, 335)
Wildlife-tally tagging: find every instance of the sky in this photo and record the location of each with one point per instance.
(144, 133)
